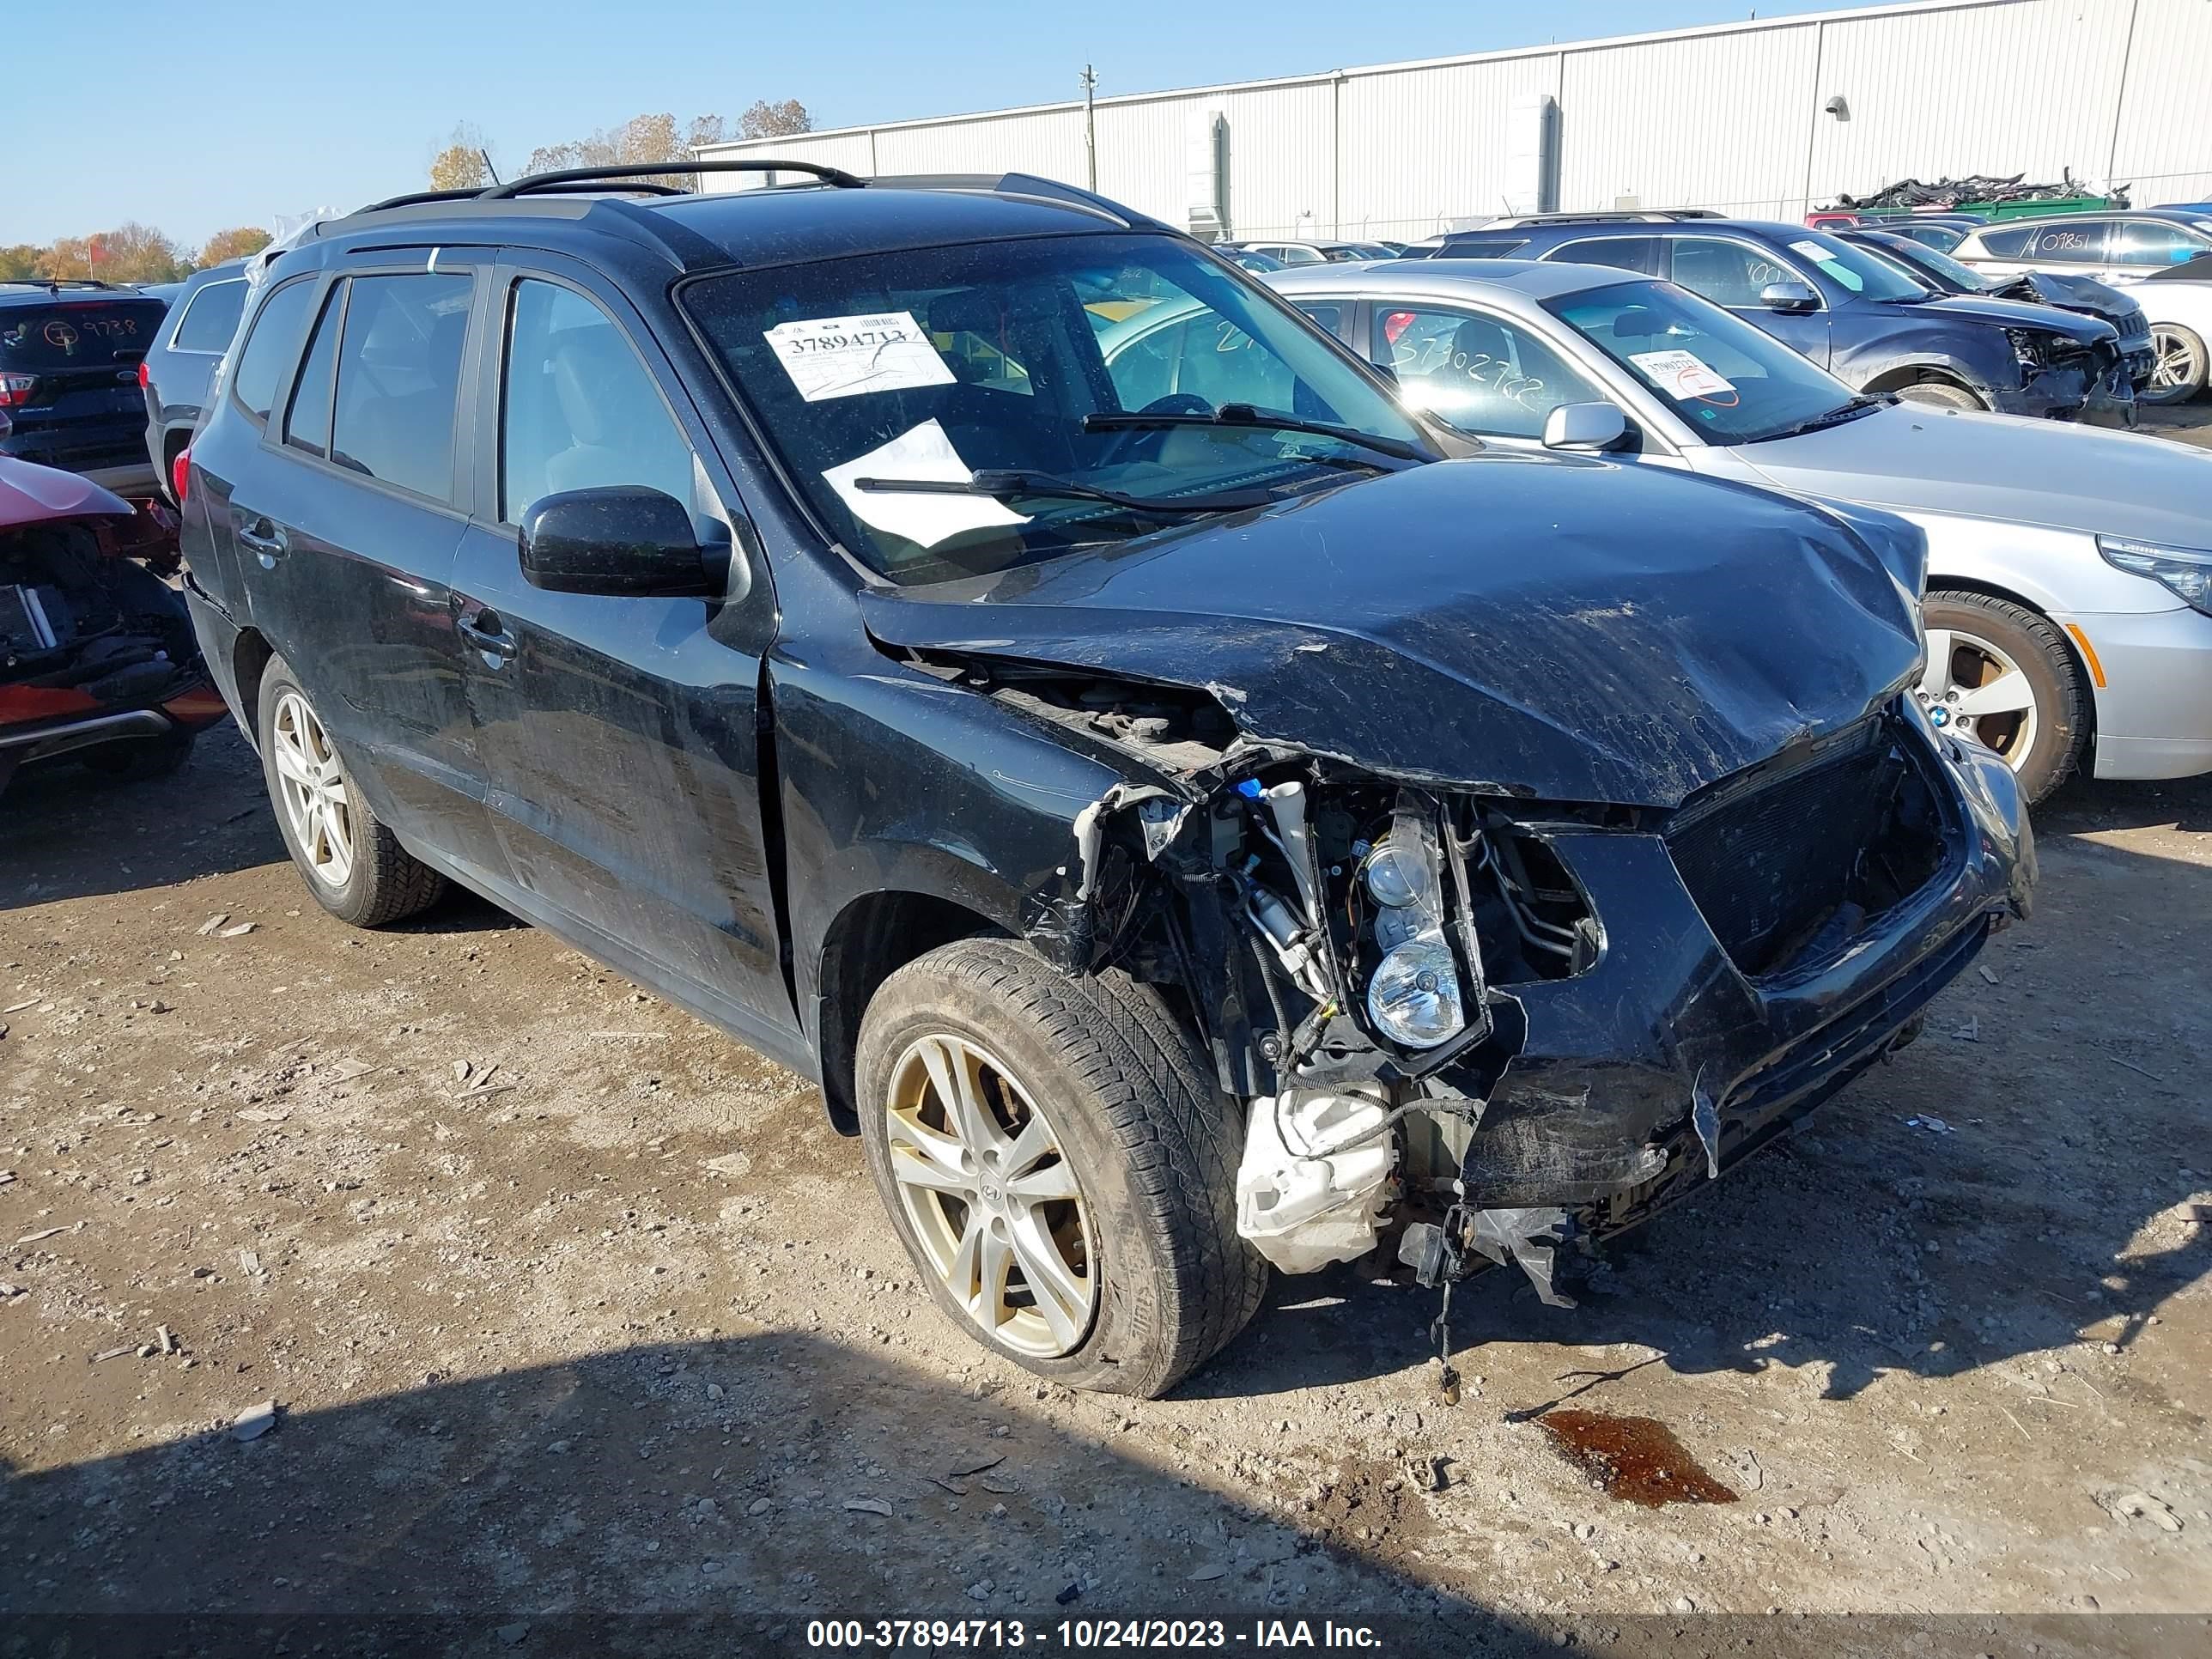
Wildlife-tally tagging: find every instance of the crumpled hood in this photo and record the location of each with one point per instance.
(1567, 629)
(2083, 331)
(1909, 459)
(2079, 293)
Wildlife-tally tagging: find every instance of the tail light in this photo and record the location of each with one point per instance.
(142, 373)
(180, 473)
(15, 390)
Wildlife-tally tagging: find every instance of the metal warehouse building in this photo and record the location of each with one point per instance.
(1762, 118)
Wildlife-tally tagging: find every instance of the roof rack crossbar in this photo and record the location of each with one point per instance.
(571, 178)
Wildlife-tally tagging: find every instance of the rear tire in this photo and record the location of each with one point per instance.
(2059, 719)
(2183, 365)
(1941, 394)
(1160, 1278)
(354, 866)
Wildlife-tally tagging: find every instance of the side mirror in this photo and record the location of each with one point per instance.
(618, 540)
(1789, 297)
(1584, 425)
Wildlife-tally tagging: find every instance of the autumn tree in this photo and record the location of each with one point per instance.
(20, 260)
(233, 244)
(131, 252)
(462, 164)
(767, 120)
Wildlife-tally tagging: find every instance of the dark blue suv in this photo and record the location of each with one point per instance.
(1875, 328)
(1176, 819)
(70, 356)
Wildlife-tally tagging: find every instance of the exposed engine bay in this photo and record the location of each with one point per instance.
(1410, 987)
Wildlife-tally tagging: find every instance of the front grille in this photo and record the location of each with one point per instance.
(1774, 856)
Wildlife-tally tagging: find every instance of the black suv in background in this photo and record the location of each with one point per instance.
(1181, 831)
(69, 353)
(1872, 326)
(179, 365)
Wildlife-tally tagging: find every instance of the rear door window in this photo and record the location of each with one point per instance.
(77, 334)
(273, 346)
(307, 425)
(210, 318)
(399, 376)
(2080, 243)
(1624, 252)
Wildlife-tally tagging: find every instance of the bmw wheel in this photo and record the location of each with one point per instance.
(2000, 674)
(1058, 1164)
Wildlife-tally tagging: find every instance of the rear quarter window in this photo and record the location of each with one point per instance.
(278, 328)
(1997, 243)
(78, 333)
(210, 318)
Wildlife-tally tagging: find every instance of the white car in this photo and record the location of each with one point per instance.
(2069, 604)
(2161, 255)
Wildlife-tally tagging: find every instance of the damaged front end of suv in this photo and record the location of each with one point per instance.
(1480, 1017)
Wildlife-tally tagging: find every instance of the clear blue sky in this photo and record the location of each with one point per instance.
(215, 113)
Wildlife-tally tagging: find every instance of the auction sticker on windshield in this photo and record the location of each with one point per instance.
(1681, 375)
(844, 357)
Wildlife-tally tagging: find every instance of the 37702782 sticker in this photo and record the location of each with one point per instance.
(845, 357)
(1681, 375)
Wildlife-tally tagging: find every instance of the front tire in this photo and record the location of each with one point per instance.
(1941, 394)
(1059, 1163)
(354, 866)
(2181, 367)
(2000, 673)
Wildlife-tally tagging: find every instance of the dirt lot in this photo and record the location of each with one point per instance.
(567, 1303)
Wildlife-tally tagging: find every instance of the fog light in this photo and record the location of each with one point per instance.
(1415, 997)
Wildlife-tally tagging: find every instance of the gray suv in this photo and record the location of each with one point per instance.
(180, 365)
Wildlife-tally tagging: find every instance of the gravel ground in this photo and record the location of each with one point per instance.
(567, 1303)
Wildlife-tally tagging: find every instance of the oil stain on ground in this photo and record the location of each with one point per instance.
(1636, 1459)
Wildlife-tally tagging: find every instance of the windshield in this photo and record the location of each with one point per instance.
(931, 364)
(1732, 382)
(1951, 270)
(1853, 273)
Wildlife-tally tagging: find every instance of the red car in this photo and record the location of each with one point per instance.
(97, 657)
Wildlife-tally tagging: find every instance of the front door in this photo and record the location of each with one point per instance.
(1735, 274)
(620, 733)
(344, 527)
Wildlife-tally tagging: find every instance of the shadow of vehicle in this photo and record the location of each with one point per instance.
(2087, 805)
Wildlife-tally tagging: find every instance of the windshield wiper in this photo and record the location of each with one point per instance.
(1244, 415)
(1858, 405)
(1004, 484)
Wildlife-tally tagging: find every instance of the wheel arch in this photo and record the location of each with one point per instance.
(1901, 375)
(251, 653)
(872, 936)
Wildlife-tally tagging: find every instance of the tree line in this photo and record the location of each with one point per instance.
(131, 252)
(465, 161)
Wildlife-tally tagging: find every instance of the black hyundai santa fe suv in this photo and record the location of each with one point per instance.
(1184, 821)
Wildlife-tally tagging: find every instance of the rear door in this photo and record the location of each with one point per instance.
(1733, 272)
(345, 524)
(621, 733)
(69, 380)
(2140, 247)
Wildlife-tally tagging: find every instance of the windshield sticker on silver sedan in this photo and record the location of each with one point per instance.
(844, 357)
(1682, 375)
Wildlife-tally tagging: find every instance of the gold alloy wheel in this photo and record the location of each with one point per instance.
(312, 786)
(993, 1200)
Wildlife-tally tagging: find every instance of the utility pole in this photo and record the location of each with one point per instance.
(1090, 121)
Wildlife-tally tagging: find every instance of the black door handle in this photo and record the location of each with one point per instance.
(484, 631)
(266, 539)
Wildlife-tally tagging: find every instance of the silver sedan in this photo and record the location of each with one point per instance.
(2069, 604)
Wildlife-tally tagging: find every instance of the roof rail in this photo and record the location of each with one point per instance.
(56, 282)
(421, 197)
(1603, 217)
(1031, 185)
(571, 178)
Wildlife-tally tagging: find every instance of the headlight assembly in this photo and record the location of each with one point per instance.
(2187, 572)
(1414, 998)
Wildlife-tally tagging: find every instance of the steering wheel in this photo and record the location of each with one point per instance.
(1133, 444)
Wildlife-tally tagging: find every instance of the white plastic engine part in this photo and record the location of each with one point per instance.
(1303, 1204)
